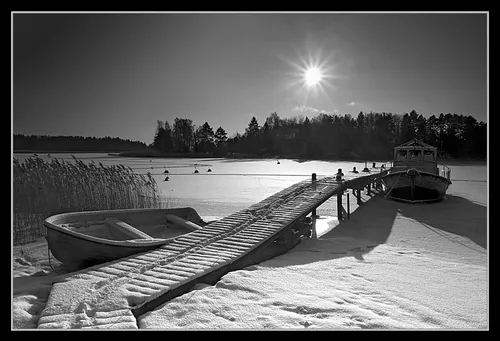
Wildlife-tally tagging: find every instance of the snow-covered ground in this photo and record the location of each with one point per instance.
(392, 265)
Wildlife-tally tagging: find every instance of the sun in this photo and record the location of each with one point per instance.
(311, 73)
(312, 76)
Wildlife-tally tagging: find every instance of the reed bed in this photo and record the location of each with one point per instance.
(42, 188)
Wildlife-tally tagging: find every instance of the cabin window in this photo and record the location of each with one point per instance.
(415, 155)
(402, 155)
(429, 156)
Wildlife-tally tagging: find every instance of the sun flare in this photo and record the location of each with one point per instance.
(312, 73)
(312, 76)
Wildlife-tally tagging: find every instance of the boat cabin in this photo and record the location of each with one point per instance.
(416, 154)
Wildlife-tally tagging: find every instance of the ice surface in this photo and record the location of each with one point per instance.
(392, 265)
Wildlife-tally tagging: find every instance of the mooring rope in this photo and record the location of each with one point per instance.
(50, 263)
(392, 187)
(469, 180)
(234, 174)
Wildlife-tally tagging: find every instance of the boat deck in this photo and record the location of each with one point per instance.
(110, 295)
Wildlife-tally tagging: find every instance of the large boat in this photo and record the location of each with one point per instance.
(415, 175)
(82, 239)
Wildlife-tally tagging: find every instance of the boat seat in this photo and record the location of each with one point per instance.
(183, 222)
(127, 229)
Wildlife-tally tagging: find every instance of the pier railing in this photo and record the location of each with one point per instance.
(444, 170)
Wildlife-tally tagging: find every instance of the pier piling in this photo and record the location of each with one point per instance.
(313, 176)
(348, 207)
(339, 206)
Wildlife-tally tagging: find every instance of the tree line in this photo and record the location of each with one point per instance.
(369, 135)
(74, 143)
(185, 137)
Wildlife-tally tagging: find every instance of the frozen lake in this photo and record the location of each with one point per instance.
(391, 266)
(235, 184)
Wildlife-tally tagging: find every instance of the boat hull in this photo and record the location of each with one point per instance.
(83, 239)
(415, 186)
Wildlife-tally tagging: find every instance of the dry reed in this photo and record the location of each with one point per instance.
(42, 188)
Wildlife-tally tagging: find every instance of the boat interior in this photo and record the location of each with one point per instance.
(129, 227)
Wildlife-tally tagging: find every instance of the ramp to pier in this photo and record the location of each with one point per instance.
(107, 295)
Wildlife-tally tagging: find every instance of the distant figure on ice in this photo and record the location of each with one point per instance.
(209, 170)
(354, 170)
(339, 175)
(166, 179)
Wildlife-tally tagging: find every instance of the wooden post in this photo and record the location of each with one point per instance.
(348, 207)
(314, 188)
(339, 206)
(358, 196)
(369, 188)
(366, 168)
(378, 181)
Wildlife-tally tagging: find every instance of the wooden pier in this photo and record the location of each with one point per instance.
(111, 295)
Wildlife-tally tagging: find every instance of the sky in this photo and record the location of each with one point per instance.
(117, 74)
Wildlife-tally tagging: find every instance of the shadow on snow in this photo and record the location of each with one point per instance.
(362, 233)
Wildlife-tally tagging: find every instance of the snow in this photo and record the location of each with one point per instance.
(391, 266)
(405, 275)
(31, 288)
(331, 285)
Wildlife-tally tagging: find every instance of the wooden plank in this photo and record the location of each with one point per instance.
(232, 245)
(184, 266)
(211, 261)
(180, 272)
(250, 237)
(224, 253)
(218, 244)
(186, 244)
(202, 262)
(239, 240)
(174, 248)
(126, 228)
(183, 222)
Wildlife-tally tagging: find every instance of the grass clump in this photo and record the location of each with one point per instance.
(44, 188)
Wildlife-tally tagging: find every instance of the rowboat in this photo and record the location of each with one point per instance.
(82, 239)
(415, 175)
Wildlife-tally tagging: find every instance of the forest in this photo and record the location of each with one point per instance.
(324, 136)
(74, 144)
(369, 135)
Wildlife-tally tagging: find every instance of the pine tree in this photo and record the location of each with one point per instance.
(220, 136)
(205, 138)
(253, 128)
